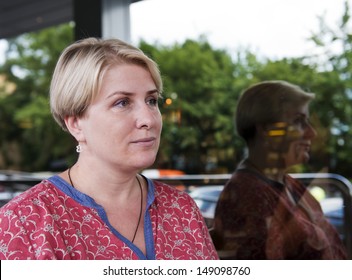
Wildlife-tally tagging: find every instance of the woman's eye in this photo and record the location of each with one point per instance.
(297, 121)
(301, 122)
(152, 101)
(122, 103)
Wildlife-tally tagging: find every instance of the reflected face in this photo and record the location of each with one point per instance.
(289, 141)
(300, 134)
(122, 126)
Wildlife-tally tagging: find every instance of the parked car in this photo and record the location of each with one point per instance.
(158, 173)
(333, 211)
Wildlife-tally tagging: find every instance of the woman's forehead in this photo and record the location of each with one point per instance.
(293, 111)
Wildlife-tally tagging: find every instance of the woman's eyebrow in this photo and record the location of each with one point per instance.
(302, 115)
(127, 93)
(152, 91)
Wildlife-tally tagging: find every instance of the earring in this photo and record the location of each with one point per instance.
(78, 148)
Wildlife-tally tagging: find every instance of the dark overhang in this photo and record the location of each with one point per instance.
(22, 16)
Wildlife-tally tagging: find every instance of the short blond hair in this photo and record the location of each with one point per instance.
(80, 69)
(265, 103)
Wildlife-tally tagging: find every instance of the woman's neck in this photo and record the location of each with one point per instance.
(265, 167)
(102, 184)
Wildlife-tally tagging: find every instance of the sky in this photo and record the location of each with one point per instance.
(270, 28)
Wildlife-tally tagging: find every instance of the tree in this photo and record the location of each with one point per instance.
(334, 102)
(198, 107)
(30, 140)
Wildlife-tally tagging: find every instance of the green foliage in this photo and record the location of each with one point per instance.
(334, 84)
(30, 140)
(198, 124)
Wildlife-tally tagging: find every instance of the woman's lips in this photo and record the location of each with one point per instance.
(149, 141)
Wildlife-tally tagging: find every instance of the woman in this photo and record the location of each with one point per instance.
(105, 93)
(263, 213)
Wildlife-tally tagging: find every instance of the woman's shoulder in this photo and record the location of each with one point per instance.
(161, 187)
(246, 186)
(40, 192)
(170, 193)
(293, 181)
(247, 180)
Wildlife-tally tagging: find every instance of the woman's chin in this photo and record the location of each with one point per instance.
(146, 163)
(302, 159)
(305, 158)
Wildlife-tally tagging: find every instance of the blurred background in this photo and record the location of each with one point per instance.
(208, 52)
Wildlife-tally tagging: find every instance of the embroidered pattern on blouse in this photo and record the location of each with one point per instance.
(46, 223)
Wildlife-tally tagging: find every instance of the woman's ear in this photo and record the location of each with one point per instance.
(263, 134)
(261, 130)
(74, 127)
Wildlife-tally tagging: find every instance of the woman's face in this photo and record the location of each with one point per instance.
(288, 141)
(299, 135)
(123, 124)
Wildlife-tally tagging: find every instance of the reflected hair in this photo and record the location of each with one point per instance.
(265, 103)
(80, 69)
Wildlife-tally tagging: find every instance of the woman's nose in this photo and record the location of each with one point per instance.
(145, 117)
(310, 131)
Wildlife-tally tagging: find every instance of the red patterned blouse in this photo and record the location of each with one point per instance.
(52, 220)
